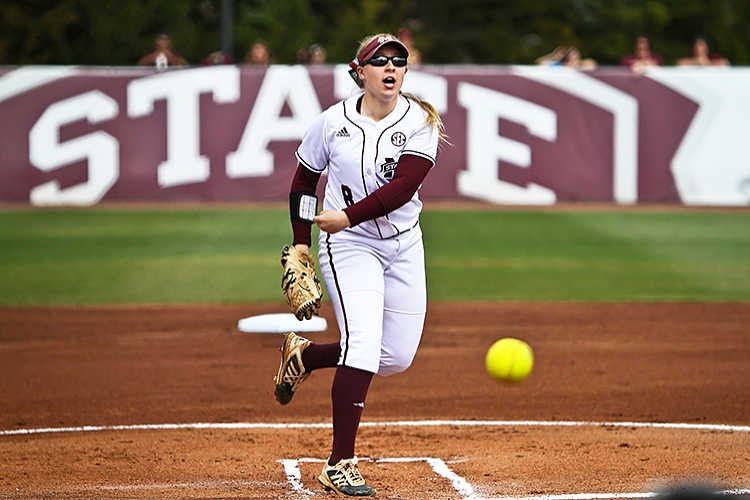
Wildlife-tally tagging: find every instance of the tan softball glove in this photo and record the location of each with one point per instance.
(300, 284)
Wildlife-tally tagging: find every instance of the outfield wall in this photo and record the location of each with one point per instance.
(520, 135)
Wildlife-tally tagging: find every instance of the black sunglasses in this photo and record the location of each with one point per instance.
(398, 61)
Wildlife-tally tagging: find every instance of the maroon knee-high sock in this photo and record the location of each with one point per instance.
(321, 356)
(348, 394)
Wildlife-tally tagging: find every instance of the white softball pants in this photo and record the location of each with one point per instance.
(378, 292)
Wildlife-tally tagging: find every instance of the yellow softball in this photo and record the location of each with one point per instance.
(509, 360)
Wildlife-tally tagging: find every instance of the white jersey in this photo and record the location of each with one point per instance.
(361, 156)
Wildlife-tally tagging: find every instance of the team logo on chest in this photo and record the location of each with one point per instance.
(387, 168)
(398, 139)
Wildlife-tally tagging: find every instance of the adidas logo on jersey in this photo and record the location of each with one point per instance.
(342, 133)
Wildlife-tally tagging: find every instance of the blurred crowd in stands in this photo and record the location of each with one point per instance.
(639, 60)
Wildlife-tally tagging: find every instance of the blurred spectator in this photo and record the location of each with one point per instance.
(259, 53)
(317, 53)
(406, 37)
(702, 56)
(163, 56)
(302, 56)
(642, 57)
(218, 57)
(554, 58)
(567, 56)
(572, 59)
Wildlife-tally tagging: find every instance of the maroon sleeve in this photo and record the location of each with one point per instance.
(304, 180)
(407, 178)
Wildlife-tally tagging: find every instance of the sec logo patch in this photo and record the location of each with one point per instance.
(398, 139)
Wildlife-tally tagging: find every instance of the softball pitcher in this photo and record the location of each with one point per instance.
(378, 147)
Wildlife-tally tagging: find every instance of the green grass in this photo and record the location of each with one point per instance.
(107, 255)
(136, 256)
(588, 255)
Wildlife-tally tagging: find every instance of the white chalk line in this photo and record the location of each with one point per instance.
(294, 477)
(405, 423)
(463, 487)
(607, 496)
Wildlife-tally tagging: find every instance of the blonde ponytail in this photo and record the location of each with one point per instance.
(433, 118)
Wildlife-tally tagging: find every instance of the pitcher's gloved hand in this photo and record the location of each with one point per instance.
(300, 284)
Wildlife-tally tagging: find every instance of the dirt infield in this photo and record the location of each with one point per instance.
(581, 424)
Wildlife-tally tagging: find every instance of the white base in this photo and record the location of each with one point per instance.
(281, 323)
